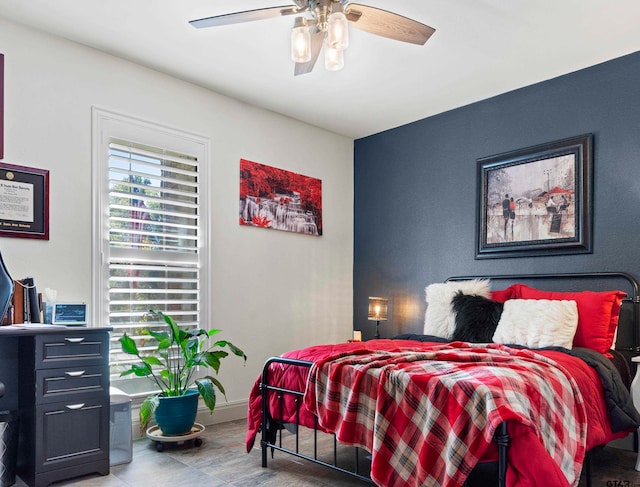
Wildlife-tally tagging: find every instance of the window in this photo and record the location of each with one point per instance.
(150, 243)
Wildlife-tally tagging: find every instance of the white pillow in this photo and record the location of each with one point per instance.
(440, 320)
(537, 323)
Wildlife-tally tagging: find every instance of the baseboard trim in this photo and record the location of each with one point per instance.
(223, 413)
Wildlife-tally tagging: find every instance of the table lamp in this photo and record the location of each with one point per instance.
(378, 311)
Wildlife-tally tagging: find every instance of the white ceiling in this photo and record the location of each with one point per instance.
(481, 48)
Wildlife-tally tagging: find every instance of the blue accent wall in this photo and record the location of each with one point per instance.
(415, 188)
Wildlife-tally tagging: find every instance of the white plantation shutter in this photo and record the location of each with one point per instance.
(152, 245)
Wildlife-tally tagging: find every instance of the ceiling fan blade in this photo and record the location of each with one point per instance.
(246, 16)
(387, 24)
(317, 39)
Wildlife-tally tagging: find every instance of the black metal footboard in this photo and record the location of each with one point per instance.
(272, 430)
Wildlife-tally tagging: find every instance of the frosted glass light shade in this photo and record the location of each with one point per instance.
(338, 31)
(333, 58)
(300, 44)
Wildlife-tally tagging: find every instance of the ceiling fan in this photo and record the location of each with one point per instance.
(325, 23)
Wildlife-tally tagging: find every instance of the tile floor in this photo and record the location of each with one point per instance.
(221, 461)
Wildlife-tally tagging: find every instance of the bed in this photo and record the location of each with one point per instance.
(502, 374)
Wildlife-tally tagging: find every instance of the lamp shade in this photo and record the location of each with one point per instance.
(300, 42)
(378, 308)
(338, 31)
(333, 58)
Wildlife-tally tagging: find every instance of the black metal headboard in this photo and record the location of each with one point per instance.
(628, 336)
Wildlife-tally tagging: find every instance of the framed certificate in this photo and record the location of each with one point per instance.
(24, 202)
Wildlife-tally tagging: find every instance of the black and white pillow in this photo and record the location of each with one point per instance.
(440, 318)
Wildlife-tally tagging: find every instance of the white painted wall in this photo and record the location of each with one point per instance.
(272, 291)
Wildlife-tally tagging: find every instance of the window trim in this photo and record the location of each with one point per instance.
(106, 126)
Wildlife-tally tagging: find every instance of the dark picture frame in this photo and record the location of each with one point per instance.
(25, 193)
(536, 201)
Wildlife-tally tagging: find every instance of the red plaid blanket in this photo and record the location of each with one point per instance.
(428, 416)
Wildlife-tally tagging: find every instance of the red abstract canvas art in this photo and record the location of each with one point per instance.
(280, 200)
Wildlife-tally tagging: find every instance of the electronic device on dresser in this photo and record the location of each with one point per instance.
(69, 314)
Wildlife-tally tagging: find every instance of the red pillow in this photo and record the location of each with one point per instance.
(503, 295)
(597, 314)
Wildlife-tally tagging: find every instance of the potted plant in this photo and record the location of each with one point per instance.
(172, 367)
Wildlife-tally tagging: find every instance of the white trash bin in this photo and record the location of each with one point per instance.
(121, 448)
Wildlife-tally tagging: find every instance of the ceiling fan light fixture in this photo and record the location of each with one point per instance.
(325, 23)
(300, 42)
(338, 31)
(333, 58)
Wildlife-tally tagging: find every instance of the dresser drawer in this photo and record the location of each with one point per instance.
(68, 383)
(72, 433)
(72, 349)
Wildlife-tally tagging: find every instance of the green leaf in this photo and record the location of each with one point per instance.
(207, 391)
(141, 370)
(151, 360)
(128, 345)
(147, 408)
(182, 335)
(162, 337)
(220, 354)
(237, 351)
(192, 346)
(173, 326)
(197, 332)
(212, 359)
(218, 384)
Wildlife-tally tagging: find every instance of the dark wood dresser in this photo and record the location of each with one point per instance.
(60, 386)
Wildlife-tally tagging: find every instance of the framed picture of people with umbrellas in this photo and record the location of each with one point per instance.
(536, 201)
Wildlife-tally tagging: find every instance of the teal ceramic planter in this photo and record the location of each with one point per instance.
(176, 415)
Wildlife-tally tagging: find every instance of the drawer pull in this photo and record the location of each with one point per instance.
(75, 340)
(76, 373)
(75, 406)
